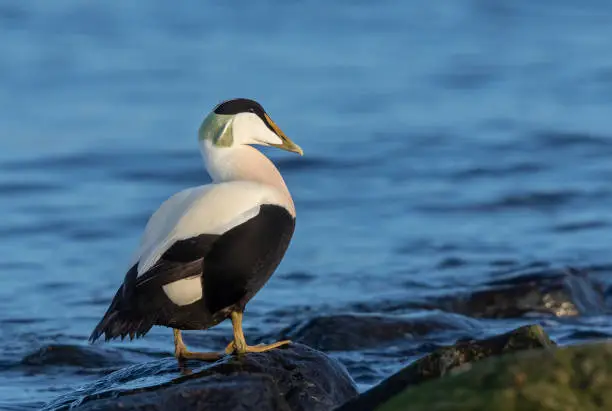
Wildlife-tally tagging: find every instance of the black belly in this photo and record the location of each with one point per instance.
(233, 266)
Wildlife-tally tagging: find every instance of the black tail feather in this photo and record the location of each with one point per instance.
(117, 324)
(120, 319)
(121, 322)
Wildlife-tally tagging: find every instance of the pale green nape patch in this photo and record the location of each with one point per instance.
(217, 128)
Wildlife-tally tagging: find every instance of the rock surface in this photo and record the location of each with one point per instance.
(345, 332)
(293, 378)
(73, 356)
(561, 293)
(569, 378)
(566, 292)
(447, 359)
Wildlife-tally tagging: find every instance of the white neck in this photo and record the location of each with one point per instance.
(243, 163)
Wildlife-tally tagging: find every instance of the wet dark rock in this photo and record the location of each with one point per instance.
(515, 293)
(560, 293)
(568, 378)
(345, 332)
(447, 360)
(579, 335)
(73, 356)
(293, 378)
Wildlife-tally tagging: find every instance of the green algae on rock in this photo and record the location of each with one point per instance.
(565, 379)
(448, 359)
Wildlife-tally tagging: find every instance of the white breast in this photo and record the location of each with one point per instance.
(209, 209)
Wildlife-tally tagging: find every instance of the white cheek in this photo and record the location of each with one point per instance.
(242, 129)
(270, 137)
(248, 128)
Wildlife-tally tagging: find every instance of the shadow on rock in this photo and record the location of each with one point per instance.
(447, 360)
(293, 378)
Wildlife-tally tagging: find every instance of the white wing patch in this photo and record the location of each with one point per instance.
(186, 291)
(210, 209)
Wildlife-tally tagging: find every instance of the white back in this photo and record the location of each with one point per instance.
(209, 209)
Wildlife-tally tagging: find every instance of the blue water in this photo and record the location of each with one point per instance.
(468, 131)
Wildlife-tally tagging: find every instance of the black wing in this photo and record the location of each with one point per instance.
(141, 302)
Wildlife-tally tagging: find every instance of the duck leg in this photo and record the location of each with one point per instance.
(182, 353)
(239, 345)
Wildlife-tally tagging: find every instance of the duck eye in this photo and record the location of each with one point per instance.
(251, 110)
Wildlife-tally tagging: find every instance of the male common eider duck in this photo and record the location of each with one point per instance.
(209, 249)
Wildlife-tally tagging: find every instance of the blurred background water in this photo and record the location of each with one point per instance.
(443, 141)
